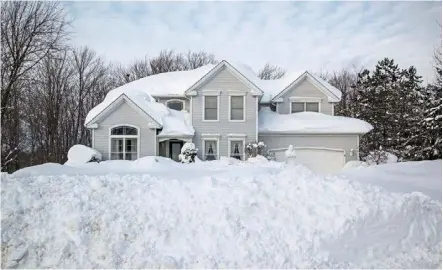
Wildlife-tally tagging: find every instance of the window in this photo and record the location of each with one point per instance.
(305, 107)
(237, 108)
(211, 108)
(236, 149)
(124, 140)
(175, 105)
(210, 150)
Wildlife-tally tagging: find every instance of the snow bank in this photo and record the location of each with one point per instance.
(354, 164)
(309, 122)
(80, 154)
(204, 216)
(407, 177)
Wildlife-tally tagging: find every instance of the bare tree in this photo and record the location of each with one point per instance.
(343, 80)
(167, 61)
(271, 72)
(198, 59)
(29, 32)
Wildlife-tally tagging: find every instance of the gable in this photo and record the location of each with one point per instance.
(224, 76)
(223, 79)
(332, 93)
(304, 89)
(122, 112)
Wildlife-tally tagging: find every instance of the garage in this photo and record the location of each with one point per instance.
(325, 160)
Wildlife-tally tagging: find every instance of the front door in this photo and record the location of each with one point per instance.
(175, 150)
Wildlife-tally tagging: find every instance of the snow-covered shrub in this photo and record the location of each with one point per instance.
(254, 149)
(270, 155)
(80, 154)
(188, 153)
(380, 157)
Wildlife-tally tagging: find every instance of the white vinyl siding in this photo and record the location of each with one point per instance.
(308, 90)
(122, 116)
(224, 84)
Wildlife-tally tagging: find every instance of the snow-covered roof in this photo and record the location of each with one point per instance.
(142, 91)
(167, 84)
(309, 122)
(172, 122)
(271, 88)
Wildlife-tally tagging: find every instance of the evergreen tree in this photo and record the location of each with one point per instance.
(389, 100)
(431, 122)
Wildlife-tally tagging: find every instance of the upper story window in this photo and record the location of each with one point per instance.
(210, 109)
(177, 105)
(305, 107)
(237, 108)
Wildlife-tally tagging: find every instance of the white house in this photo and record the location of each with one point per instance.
(221, 108)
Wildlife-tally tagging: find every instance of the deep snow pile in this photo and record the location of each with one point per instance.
(418, 176)
(208, 215)
(80, 154)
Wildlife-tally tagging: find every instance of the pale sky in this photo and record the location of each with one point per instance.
(297, 36)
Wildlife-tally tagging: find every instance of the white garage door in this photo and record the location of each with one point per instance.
(317, 159)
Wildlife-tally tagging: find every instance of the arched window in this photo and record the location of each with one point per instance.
(124, 142)
(175, 104)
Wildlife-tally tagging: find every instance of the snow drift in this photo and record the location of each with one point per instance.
(212, 215)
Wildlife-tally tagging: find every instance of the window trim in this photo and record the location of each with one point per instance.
(304, 106)
(237, 139)
(244, 108)
(124, 137)
(175, 100)
(214, 138)
(203, 107)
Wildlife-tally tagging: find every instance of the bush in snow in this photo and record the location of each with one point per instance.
(380, 157)
(254, 149)
(80, 154)
(188, 153)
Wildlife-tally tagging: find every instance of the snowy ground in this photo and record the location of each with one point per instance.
(225, 214)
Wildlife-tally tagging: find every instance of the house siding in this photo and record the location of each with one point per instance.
(164, 100)
(224, 80)
(335, 141)
(305, 89)
(125, 114)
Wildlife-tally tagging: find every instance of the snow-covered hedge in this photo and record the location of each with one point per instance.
(188, 153)
(80, 154)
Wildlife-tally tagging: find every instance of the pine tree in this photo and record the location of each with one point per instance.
(431, 122)
(389, 100)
